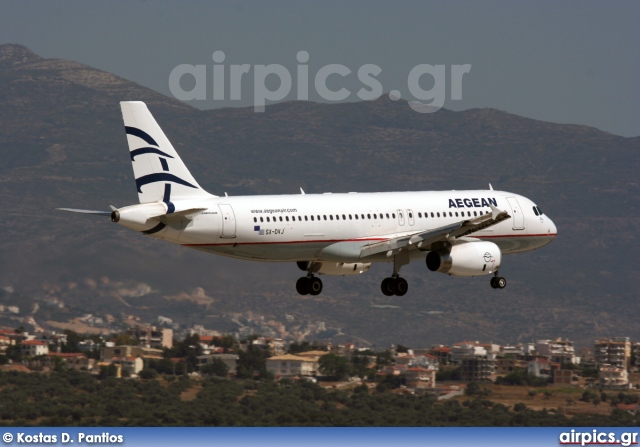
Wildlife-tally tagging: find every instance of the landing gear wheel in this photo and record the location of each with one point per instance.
(388, 287)
(315, 285)
(302, 286)
(498, 282)
(401, 286)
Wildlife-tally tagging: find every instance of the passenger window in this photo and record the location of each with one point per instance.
(344, 217)
(350, 217)
(356, 217)
(362, 216)
(374, 216)
(394, 215)
(268, 219)
(456, 214)
(331, 216)
(387, 215)
(420, 214)
(450, 214)
(305, 218)
(475, 213)
(438, 214)
(280, 218)
(368, 216)
(286, 218)
(410, 215)
(312, 218)
(261, 220)
(255, 219)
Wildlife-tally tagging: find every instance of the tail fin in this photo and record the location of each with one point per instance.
(160, 173)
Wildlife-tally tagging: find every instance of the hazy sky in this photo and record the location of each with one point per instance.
(567, 62)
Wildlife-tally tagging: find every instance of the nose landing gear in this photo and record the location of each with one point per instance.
(498, 282)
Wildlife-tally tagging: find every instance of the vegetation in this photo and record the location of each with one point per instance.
(71, 398)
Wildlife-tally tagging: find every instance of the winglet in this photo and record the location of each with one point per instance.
(302, 191)
(490, 187)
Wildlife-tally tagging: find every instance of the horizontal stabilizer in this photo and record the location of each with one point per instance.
(99, 213)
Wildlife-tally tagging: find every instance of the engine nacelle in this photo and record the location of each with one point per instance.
(466, 259)
(334, 268)
(137, 217)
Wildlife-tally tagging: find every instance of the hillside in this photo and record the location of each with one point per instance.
(63, 145)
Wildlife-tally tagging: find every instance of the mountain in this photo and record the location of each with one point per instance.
(63, 145)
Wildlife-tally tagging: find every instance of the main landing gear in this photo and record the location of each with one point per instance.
(498, 282)
(309, 285)
(394, 285)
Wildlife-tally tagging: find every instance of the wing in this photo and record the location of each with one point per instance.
(424, 239)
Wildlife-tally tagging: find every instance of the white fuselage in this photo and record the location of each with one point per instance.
(334, 227)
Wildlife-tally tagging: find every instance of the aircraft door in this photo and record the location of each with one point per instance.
(410, 217)
(228, 221)
(401, 217)
(516, 213)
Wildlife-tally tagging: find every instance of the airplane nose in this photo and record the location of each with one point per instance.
(551, 228)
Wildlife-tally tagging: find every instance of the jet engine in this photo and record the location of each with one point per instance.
(466, 259)
(334, 268)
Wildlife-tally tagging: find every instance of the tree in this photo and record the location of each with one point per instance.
(360, 364)
(402, 348)
(384, 358)
(334, 366)
(110, 370)
(251, 362)
(216, 368)
(148, 373)
(73, 338)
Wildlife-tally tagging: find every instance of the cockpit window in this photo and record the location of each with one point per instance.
(535, 211)
(539, 210)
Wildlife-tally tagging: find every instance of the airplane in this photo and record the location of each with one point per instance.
(459, 233)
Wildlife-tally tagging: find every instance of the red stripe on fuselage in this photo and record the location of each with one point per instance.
(349, 240)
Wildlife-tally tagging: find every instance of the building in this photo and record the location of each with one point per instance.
(289, 365)
(613, 377)
(558, 350)
(231, 360)
(614, 352)
(418, 377)
(508, 365)
(5, 342)
(33, 348)
(128, 365)
(442, 353)
(110, 353)
(567, 377)
(541, 367)
(70, 360)
(635, 351)
(151, 337)
(478, 368)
